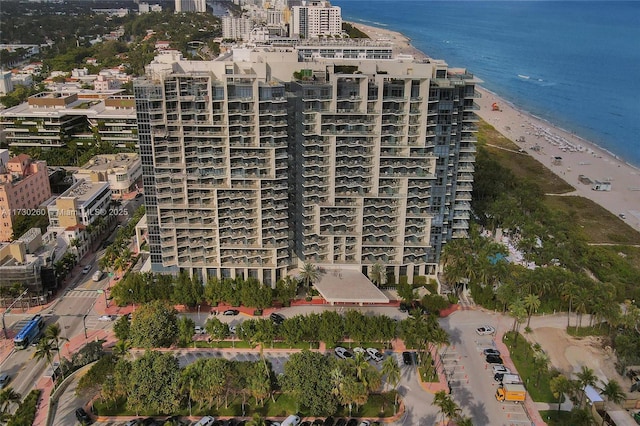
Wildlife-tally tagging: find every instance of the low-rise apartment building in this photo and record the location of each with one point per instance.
(53, 119)
(24, 186)
(122, 171)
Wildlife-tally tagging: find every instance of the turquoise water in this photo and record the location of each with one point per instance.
(573, 63)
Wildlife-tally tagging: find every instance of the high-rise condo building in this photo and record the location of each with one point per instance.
(314, 19)
(256, 164)
(190, 6)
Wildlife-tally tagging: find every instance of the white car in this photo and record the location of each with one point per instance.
(105, 318)
(343, 353)
(232, 329)
(199, 330)
(375, 354)
(360, 350)
(485, 329)
(86, 269)
(500, 369)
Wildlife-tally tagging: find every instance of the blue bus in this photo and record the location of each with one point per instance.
(29, 332)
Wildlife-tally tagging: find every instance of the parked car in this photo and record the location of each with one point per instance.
(106, 318)
(206, 421)
(277, 318)
(342, 353)
(97, 275)
(352, 422)
(292, 420)
(341, 422)
(407, 358)
(318, 422)
(362, 351)
(500, 369)
(232, 329)
(375, 354)
(329, 421)
(199, 330)
(489, 351)
(365, 423)
(4, 379)
(485, 329)
(134, 422)
(305, 423)
(83, 417)
(86, 269)
(494, 359)
(231, 312)
(138, 195)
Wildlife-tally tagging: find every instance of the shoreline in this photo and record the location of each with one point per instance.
(546, 142)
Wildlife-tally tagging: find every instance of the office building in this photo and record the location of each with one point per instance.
(315, 19)
(24, 186)
(254, 165)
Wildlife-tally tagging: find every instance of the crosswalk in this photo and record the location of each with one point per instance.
(81, 293)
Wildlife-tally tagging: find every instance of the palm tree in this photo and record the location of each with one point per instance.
(586, 377)
(309, 274)
(378, 274)
(391, 370)
(121, 348)
(52, 333)
(531, 303)
(8, 397)
(519, 312)
(559, 386)
(448, 407)
(360, 365)
(540, 363)
(44, 350)
(257, 420)
(568, 292)
(464, 421)
(613, 391)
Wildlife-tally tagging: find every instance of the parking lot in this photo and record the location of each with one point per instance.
(471, 377)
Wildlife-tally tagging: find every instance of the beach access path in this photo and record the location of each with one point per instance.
(578, 156)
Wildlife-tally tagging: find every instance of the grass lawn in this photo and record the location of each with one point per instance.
(598, 224)
(301, 345)
(377, 345)
(522, 166)
(596, 330)
(556, 418)
(522, 356)
(378, 405)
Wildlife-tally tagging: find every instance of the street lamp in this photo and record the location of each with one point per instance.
(84, 323)
(198, 312)
(4, 326)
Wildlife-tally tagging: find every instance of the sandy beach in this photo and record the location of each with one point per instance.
(565, 154)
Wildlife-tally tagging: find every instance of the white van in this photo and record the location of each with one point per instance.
(97, 276)
(292, 420)
(206, 421)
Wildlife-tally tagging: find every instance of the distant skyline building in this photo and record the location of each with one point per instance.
(256, 164)
(314, 19)
(191, 6)
(236, 28)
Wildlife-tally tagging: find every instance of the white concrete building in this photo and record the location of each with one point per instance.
(255, 164)
(190, 6)
(314, 19)
(236, 28)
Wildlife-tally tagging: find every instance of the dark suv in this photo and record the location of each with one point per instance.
(277, 318)
(83, 417)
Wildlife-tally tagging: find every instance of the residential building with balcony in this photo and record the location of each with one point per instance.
(256, 164)
(53, 119)
(24, 186)
(83, 205)
(315, 19)
(122, 171)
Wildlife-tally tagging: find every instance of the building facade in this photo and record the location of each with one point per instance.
(190, 6)
(252, 167)
(84, 204)
(24, 186)
(122, 171)
(314, 19)
(236, 28)
(52, 119)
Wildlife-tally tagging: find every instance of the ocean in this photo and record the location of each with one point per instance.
(575, 64)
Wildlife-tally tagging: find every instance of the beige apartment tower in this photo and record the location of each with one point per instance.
(254, 165)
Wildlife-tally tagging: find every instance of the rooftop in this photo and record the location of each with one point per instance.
(110, 161)
(84, 190)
